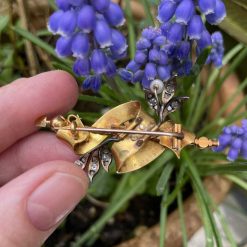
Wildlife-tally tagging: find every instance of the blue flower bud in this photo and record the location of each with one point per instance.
(154, 55)
(146, 82)
(205, 41)
(218, 15)
(163, 58)
(76, 3)
(185, 11)
(80, 45)
(164, 72)
(225, 139)
(119, 44)
(195, 27)
(125, 74)
(232, 154)
(63, 46)
(140, 57)
(103, 34)
(98, 61)
(160, 40)
(133, 66)
(101, 6)
(207, 6)
(115, 15)
(165, 27)
(54, 20)
(237, 143)
(68, 23)
(63, 4)
(82, 67)
(166, 10)
(183, 50)
(151, 33)
(138, 76)
(110, 67)
(86, 19)
(92, 82)
(175, 33)
(185, 68)
(150, 71)
(96, 83)
(143, 44)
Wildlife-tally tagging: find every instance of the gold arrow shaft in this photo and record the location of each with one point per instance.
(122, 131)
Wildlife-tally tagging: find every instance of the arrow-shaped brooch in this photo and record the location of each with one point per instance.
(128, 134)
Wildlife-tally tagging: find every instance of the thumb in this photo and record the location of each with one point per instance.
(33, 204)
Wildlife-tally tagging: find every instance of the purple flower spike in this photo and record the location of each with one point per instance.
(82, 67)
(218, 15)
(143, 43)
(185, 11)
(63, 46)
(54, 21)
(207, 6)
(98, 61)
(86, 19)
(68, 23)
(183, 50)
(103, 34)
(80, 45)
(195, 27)
(114, 15)
(234, 138)
(217, 52)
(166, 10)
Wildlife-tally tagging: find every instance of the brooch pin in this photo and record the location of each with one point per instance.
(127, 134)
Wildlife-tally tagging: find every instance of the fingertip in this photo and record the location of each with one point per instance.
(61, 85)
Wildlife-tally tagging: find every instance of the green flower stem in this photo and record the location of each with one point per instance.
(163, 217)
(131, 29)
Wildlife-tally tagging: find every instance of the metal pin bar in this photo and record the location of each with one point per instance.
(121, 131)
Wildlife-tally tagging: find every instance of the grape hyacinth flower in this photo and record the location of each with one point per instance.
(217, 52)
(156, 58)
(88, 32)
(234, 139)
(165, 51)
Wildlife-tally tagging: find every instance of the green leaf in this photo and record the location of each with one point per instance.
(235, 23)
(163, 217)
(96, 99)
(163, 180)
(203, 197)
(4, 20)
(103, 185)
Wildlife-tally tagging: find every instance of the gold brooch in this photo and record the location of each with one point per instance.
(127, 134)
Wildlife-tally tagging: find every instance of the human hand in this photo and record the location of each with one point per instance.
(40, 185)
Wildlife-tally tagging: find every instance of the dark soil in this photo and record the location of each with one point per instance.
(143, 211)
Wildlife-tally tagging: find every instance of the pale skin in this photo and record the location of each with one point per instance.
(40, 184)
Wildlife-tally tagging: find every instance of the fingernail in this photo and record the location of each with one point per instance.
(55, 198)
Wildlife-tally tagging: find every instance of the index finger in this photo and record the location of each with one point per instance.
(25, 100)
